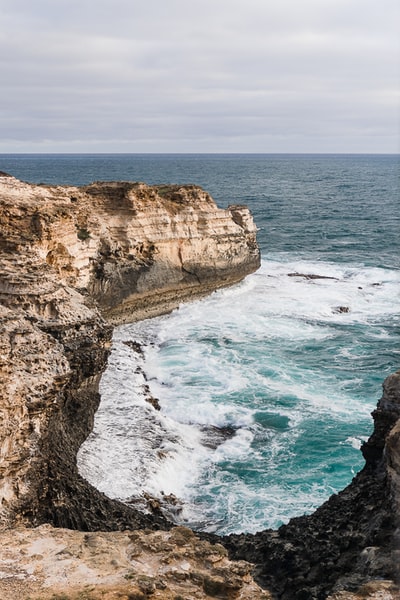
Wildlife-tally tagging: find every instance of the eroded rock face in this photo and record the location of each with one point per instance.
(136, 250)
(74, 260)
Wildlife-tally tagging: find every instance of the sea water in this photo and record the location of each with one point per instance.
(265, 388)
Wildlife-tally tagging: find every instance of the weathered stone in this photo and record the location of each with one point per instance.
(45, 563)
(73, 261)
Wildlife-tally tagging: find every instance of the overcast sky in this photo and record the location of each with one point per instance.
(199, 75)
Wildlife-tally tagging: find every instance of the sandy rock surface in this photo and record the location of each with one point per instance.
(59, 564)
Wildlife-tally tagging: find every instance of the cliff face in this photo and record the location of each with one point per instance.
(164, 245)
(74, 260)
(136, 250)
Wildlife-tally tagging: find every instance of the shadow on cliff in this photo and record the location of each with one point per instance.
(59, 495)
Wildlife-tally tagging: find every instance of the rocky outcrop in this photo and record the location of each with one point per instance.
(351, 539)
(135, 250)
(59, 564)
(74, 260)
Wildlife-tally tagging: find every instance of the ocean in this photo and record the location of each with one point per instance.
(265, 388)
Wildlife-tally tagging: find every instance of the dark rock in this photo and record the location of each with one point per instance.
(214, 436)
(311, 276)
(134, 346)
(155, 403)
(350, 539)
(341, 309)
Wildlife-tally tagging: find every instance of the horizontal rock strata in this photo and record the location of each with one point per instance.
(135, 250)
(73, 261)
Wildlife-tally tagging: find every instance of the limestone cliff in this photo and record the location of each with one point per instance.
(74, 260)
(136, 250)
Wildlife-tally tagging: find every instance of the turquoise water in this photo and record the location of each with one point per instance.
(273, 359)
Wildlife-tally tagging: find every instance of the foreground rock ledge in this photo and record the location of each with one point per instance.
(74, 262)
(59, 564)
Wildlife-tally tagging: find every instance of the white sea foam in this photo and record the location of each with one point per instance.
(277, 359)
(133, 447)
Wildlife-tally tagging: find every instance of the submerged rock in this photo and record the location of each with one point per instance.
(213, 435)
(311, 276)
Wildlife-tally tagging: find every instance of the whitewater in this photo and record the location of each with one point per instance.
(277, 362)
(265, 389)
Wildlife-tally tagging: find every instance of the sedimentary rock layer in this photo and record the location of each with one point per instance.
(74, 260)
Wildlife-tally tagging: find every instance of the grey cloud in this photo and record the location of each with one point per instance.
(178, 76)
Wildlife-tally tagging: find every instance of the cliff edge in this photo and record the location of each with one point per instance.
(74, 261)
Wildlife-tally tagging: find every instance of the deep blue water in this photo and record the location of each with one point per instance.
(343, 206)
(272, 357)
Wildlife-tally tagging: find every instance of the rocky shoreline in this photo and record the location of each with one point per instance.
(75, 262)
(352, 538)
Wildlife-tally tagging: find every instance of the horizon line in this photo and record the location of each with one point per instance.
(203, 153)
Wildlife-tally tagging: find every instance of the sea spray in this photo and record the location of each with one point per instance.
(272, 359)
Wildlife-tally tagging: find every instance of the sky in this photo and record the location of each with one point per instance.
(200, 76)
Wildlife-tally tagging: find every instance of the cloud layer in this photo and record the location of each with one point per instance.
(199, 76)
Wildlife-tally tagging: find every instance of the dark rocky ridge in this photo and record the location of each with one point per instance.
(352, 538)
